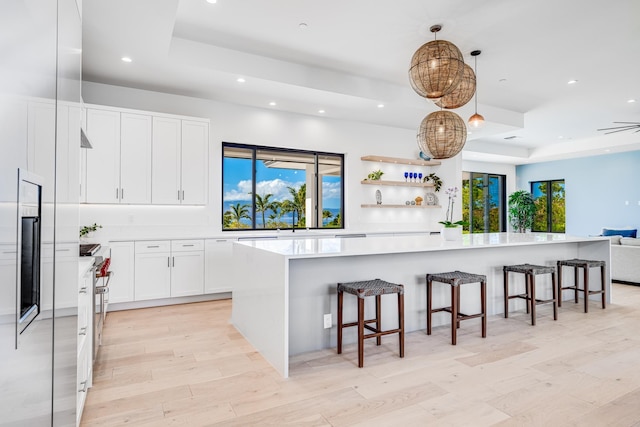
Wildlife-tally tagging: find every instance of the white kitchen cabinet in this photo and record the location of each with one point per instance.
(135, 158)
(8, 259)
(180, 161)
(103, 160)
(42, 145)
(84, 295)
(66, 272)
(195, 162)
(152, 270)
(218, 276)
(122, 267)
(119, 164)
(166, 160)
(165, 269)
(187, 267)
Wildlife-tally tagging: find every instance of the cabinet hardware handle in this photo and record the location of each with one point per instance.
(122, 194)
(168, 261)
(183, 195)
(221, 240)
(83, 290)
(153, 246)
(83, 331)
(84, 387)
(187, 246)
(63, 250)
(10, 252)
(116, 193)
(178, 194)
(174, 261)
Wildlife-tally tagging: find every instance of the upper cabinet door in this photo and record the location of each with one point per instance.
(103, 160)
(195, 144)
(42, 145)
(135, 158)
(166, 161)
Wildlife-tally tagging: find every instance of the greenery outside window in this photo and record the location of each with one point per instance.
(483, 202)
(275, 188)
(549, 197)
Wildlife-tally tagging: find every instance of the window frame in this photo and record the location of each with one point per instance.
(549, 205)
(315, 191)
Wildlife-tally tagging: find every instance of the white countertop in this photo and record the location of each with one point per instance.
(374, 245)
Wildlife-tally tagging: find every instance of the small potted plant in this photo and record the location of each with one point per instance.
(522, 209)
(437, 182)
(452, 230)
(86, 230)
(375, 175)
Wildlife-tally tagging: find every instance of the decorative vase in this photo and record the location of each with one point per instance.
(451, 233)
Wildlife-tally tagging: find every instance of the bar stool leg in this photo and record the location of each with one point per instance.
(340, 300)
(506, 294)
(576, 281)
(378, 319)
(429, 296)
(604, 292)
(532, 296)
(360, 332)
(401, 322)
(559, 284)
(555, 296)
(483, 302)
(586, 289)
(458, 306)
(454, 313)
(527, 290)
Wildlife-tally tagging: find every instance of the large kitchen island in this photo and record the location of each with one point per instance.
(285, 287)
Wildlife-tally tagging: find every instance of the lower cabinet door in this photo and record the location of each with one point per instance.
(122, 266)
(153, 276)
(187, 273)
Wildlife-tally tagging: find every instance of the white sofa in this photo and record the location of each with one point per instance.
(625, 259)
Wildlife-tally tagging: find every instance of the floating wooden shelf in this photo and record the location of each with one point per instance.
(401, 161)
(401, 206)
(398, 183)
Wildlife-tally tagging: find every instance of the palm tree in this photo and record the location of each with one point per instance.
(299, 197)
(262, 205)
(326, 214)
(238, 212)
(227, 219)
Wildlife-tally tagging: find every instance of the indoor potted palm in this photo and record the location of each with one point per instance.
(522, 209)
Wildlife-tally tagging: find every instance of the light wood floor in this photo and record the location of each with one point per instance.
(187, 366)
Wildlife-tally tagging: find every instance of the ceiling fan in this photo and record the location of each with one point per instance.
(625, 126)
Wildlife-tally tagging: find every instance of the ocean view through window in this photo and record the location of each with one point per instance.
(276, 188)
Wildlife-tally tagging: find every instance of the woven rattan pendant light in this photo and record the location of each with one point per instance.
(436, 68)
(462, 94)
(442, 134)
(476, 120)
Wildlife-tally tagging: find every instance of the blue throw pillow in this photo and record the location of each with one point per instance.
(629, 232)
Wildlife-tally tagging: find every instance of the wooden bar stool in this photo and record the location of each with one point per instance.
(530, 271)
(455, 279)
(585, 265)
(362, 290)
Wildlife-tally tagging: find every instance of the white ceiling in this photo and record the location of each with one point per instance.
(354, 55)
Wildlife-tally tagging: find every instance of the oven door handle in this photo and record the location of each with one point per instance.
(102, 290)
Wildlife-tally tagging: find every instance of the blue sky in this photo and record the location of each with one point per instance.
(237, 182)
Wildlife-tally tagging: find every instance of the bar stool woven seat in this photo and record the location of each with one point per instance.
(585, 264)
(530, 271)
(362, 290)
(455, 279)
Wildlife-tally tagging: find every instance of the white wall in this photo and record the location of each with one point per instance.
(246, 125)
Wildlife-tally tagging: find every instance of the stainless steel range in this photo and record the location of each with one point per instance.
(101, 278)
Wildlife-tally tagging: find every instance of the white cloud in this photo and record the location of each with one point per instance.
(331, 190)
(277, 187)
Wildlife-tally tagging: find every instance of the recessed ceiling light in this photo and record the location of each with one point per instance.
(607, 150)
(502, 80)
(321, 111)
(240, 80)
(303, 25)
(380, 105)
(571, 82)
(631, 101)
(126, 59)
(212, 1)
(273, 104)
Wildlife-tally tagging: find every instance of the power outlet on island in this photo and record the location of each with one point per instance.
(327, 321)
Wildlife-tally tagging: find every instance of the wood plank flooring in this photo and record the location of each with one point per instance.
(186, 365)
